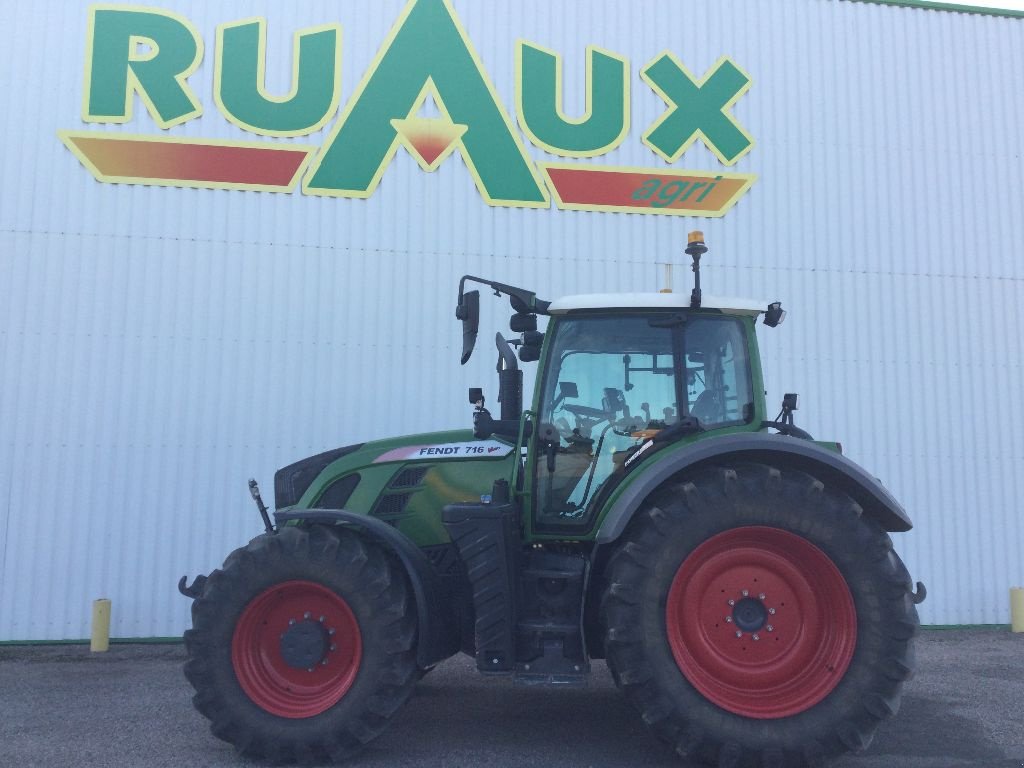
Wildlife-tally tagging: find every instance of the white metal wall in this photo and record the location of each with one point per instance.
(158, 346)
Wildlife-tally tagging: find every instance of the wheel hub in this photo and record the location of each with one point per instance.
(749, 615)
(304, 644)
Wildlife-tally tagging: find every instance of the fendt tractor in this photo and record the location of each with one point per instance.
(736, 575)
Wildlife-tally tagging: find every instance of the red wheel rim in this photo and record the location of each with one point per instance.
(267, 678)
(761, 622)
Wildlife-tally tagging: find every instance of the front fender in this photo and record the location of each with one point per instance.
(778, 450)
(437, 627)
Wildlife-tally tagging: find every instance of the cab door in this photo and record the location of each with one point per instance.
(614, 380)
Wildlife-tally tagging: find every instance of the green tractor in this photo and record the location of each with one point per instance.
(736, 575)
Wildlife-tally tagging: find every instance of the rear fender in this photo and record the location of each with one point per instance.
(438, 635)
(782, 451)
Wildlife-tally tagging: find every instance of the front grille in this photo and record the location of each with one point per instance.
(409, 477)
(294, 480)
(390, 505)
(337, 494)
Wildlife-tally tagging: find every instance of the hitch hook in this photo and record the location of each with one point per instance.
(919, 596)
(195, 590)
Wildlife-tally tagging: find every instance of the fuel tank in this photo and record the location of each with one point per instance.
(403, 481)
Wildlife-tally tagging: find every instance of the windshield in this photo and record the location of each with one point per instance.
(615, 381)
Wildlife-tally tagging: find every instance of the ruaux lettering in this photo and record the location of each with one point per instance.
(153, 54)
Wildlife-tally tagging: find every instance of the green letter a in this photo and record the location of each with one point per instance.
(426, 45)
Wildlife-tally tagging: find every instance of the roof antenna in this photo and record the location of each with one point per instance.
(695, 247)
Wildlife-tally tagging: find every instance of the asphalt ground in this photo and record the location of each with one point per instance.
(62, 706)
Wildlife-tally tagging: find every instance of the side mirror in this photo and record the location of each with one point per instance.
(476, 396)
(774, 315)
(468, 311)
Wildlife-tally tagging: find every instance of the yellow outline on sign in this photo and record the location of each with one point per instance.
(386, 161)
(68, 138)
(132, 83)
(261, 75)
(672, 107)
(747, 178)
(559, 99)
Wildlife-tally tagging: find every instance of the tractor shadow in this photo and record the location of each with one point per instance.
(459, 718)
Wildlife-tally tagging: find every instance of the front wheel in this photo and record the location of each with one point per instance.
(302, 645)
(756, 618)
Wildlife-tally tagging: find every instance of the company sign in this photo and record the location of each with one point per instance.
(151, 53)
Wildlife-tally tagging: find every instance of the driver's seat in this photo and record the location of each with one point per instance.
(706, 408)
(613, 402)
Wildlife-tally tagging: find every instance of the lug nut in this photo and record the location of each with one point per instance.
(738, 633)
(310, 669)
(769, 628)
(728, 620)
(756, 636)
(306, 615)
(334, 647)
(761, 596)
(730, 602)
(290, 622)
(323, 619)
(332, 630)
(745, 592)
(771, 611)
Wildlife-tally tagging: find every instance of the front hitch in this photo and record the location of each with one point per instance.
(254, 491)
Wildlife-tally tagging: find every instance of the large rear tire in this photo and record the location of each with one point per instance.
(755, 617)
(302, 645)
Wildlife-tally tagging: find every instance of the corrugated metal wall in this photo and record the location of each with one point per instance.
(159, 346)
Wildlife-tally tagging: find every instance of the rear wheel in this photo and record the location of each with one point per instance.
(302, 646)
(755, 617)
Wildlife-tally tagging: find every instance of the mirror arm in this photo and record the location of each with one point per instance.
(522, 299)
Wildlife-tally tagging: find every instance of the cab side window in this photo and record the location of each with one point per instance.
(718, 386)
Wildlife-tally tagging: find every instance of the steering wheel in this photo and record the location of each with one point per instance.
(629, 424)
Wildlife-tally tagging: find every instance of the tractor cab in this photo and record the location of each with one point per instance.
(620, 376)
(617, 377)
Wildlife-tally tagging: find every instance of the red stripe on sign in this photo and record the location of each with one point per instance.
(195, 162)
(594, 187)
(644, 191)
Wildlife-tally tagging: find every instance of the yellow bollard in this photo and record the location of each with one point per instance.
(1017, 609)
(100, 626)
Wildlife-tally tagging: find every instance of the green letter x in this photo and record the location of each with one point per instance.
(699, 108)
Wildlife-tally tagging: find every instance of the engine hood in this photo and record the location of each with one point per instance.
(292, 482)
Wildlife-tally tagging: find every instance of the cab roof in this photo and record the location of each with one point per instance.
(731, 305)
